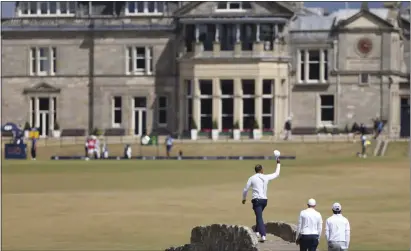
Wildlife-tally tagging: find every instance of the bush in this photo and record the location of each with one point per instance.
(56, 126)
(97, 132)
(27, 126)
(193, 124)
(236, 125)
(215, 125)
(256, 126)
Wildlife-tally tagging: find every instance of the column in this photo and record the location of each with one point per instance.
(51, 113)
(276, 30)
(394, 119)
(257, 33)
(216, 44)
(237, 45)
(182, 103)
(197, 33)
(37, 111)
(30, 111)
(279, 112)
(196, 102)
(306, 65)
(217, 102)
(238, 102)
(258, 102)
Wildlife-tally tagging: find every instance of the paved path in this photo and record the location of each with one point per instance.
(274, 243)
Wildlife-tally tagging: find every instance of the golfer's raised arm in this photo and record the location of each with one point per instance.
(276, 173)
(247, 186)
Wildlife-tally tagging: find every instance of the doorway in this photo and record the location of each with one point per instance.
(139, 121)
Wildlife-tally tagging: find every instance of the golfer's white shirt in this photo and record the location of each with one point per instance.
(337, 228)
(310, 222)
(259, 183)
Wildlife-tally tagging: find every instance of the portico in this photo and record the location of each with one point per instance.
(234, 93)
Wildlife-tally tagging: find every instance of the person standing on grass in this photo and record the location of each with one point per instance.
(169, 144)
(309, 227)
(33, 148)
(337, 230)
(259, 182)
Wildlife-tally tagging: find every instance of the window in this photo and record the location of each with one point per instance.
(227, 36)
(145, 7)
(227, 6)
(140, 60)
(227, 104)
(248, 87)
(327, 109)
(43, 61)
(46, 8)
(207, 35)
(190, 36)
(364, 78)
(267, 36)
(206, 104)
(189, 105)
(116, 112)
(268, 109)
(248, 35)
(162, 111)
(312, 66)
(54, 110)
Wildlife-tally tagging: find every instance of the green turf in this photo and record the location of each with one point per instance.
(151, 205)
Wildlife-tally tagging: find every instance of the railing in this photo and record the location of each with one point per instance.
(317, 138)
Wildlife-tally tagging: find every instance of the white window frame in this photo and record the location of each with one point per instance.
(243, 96)
(271, 97)
(225, 96)
(48, 14)
(204, 97)
(113, 112)
(360, 82)
(162, 109)
(51, 57)
(320, 121)
(306, 64)
(228, 9)
(148, 56)
(146, 11)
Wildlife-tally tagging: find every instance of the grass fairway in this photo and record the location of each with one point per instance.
(151, 205)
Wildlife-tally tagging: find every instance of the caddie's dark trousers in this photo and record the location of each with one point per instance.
(308, 242)
(258, 207)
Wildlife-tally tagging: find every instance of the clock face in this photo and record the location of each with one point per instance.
(364, 45)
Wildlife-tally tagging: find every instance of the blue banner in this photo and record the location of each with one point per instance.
(15, 151)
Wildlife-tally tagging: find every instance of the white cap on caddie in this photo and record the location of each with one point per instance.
(337, 207)
(311, 202)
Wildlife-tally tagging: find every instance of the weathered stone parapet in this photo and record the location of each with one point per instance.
(281, 229)
(222, 237)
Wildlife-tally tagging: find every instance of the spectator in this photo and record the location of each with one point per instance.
(287, 128)
(169, 144)
(127, 152)
(379, 125)
(33, 148)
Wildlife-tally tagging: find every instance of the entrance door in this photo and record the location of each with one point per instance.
(44, 118)
(140, 116)
(140, 122)
(44, 123)
(405, 117)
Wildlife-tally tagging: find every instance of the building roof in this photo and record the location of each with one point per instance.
(316, 23)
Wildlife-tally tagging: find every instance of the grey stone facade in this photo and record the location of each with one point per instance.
(92, 64)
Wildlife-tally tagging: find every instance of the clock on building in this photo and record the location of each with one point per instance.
(364, 45)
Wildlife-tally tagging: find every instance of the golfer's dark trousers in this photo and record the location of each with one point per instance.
(258, 207)
(309, 242)
(33, 153)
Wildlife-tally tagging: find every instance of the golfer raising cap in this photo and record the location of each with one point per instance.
(309, 227)
(337, 230)
(259, 183)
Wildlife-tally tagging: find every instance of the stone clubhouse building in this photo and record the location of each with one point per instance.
(132, 68)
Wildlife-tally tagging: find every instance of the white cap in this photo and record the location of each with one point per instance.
(311, 202)
(337, 207)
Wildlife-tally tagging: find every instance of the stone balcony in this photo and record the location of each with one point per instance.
(279, 52)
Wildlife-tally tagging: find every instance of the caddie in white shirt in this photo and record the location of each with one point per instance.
(337, 230)
(309, 227)
(259, 182)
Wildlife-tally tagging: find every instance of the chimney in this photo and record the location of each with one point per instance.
(393, 12)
